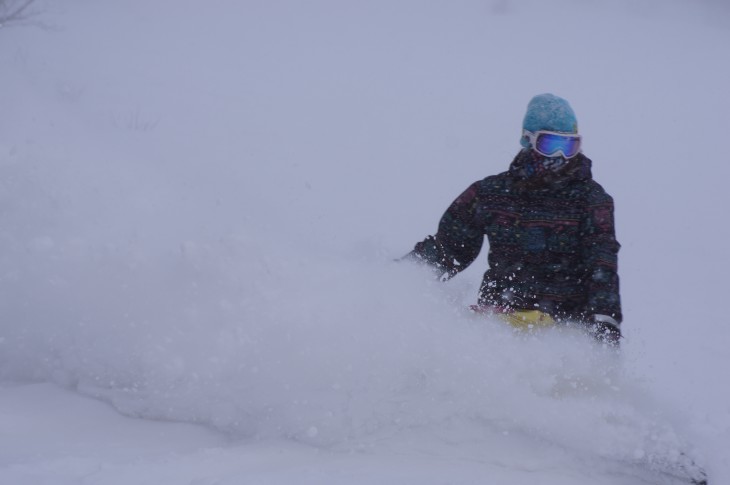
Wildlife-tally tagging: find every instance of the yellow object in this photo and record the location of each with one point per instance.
(527, 319)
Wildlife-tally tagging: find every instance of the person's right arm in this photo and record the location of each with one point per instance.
(459, 238)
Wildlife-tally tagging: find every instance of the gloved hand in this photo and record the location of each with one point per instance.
(427, 252)
(605, 329)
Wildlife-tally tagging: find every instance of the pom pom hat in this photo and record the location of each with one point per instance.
(550, 113)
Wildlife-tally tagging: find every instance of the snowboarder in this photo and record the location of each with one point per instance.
(550, 227)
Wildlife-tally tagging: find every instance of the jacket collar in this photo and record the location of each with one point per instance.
(522, 170)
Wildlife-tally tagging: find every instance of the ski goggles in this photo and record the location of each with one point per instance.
(551, 143)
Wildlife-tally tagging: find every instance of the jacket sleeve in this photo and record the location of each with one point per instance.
(459, 238)
(600, 255)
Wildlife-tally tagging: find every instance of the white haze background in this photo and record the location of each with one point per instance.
(200, 203)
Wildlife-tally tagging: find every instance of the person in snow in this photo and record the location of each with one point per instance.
(550, 227)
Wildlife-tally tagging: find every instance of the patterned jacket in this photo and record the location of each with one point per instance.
(552, 243)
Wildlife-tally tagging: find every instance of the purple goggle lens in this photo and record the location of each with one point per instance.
(551, 144)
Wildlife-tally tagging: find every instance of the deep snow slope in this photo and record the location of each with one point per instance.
(53, 436)
(200, 205)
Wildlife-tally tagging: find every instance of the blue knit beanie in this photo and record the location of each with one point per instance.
(551, 113)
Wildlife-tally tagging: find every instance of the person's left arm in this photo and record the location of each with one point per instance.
(600, 254)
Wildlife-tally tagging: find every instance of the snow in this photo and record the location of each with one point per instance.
(200, 207)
